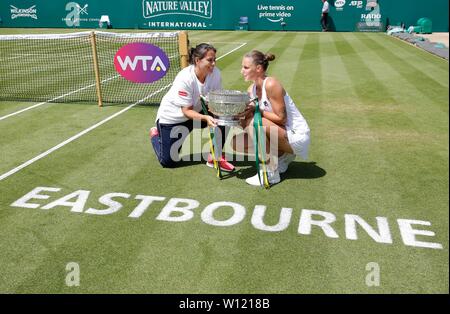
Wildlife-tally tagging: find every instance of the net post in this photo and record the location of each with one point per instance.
(183, 48)
(96, 69)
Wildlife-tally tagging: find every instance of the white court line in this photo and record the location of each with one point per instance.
(56, 98)
(48, 55)
(231, 51)
(226, 42)
(73, 138)
(10, 58)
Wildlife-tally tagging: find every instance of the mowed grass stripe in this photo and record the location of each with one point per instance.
(345, 182)
(90, 168)
(24, 136)
(423, 111)
(366, 85)
(153, 178)
(374, 200)
(289, 63)
(286, 59)
(10, 107)
(87, 244)
(307, 87)
(404, 171)
(232, 69)
(286, 278)
(422, 81)
(159, 275)
(336, 84)
(280, 45)
(414, 54)
(220, 36)
(360, 156)
(48, 238)
(87, 130)
(120, 254)
(315, 74)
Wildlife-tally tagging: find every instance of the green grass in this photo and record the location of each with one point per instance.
(378, 113)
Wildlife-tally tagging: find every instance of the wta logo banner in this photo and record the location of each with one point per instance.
(141, 62)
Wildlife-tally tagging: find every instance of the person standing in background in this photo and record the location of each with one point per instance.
(324, 18)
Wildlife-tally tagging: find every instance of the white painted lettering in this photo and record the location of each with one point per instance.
(76, 205)
(113, 206)
(258, 219)
(22, 202)
(144, 204)
(306, 221)
(383, 235)
(409, 234)
(238, 214)
(172, 207)
(181, 209)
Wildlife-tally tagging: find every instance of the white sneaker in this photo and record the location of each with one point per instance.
(284, 161)
(273, 177)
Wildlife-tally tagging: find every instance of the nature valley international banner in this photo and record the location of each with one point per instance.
(185, 14)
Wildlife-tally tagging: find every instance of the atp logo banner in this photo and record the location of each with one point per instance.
(141, 62)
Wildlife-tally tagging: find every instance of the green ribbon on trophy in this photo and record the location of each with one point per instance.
(259, 131)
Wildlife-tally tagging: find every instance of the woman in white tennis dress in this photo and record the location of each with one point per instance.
(287, 132)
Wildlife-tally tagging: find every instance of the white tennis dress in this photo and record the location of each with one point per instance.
(296, 126)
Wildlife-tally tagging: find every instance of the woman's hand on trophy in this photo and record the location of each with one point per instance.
(212, 123)
(246, 115)
(249, 111)
(250, 103)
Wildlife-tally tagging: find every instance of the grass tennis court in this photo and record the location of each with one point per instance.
(378, 113)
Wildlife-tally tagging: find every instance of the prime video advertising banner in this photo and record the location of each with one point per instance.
(290, 15)
(260, 14)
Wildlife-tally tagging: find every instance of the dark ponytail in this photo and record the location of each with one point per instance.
(260, 58)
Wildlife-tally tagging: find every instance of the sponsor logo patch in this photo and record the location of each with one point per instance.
(183, 93)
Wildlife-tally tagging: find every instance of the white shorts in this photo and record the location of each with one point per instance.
(299, 141)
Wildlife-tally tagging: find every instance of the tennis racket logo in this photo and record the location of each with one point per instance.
(141, 62)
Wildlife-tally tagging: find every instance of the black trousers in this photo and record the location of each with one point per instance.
(324, 21)
(168, 144)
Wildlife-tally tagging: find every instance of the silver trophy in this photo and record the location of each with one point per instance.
(227, 105)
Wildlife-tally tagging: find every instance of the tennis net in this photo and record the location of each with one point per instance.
(79, 67)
